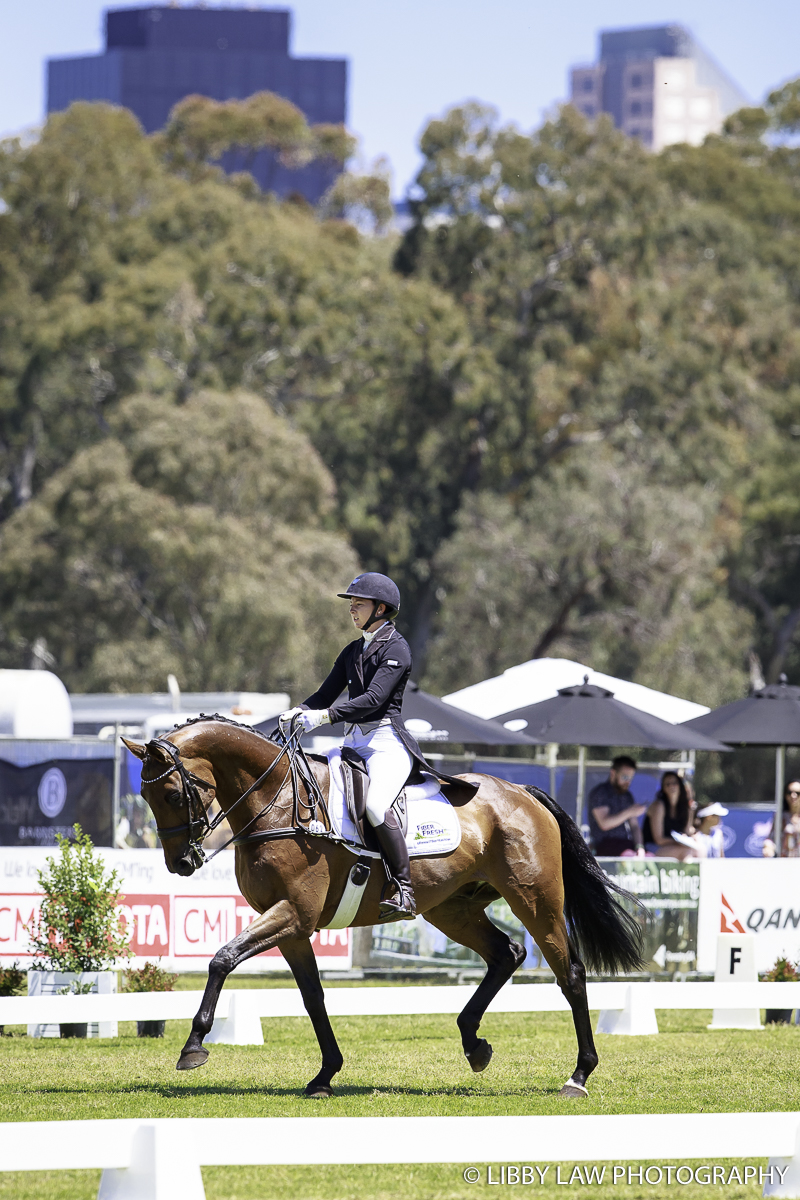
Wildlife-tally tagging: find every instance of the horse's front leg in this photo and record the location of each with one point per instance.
(263, 933)
(300, 957)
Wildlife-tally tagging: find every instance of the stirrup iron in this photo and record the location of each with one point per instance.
(403, 908)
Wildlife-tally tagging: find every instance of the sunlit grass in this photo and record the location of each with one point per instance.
(393, 1066)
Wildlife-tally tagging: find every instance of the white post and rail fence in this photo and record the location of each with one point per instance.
(626, 1009)
(161, 1159)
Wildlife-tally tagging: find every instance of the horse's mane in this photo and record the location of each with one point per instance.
(223, 721)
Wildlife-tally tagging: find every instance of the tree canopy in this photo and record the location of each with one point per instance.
(561, 409)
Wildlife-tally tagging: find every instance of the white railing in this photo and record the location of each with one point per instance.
(147, 1159)
(625, 1008)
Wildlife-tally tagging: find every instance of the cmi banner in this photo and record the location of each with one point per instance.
(181, 922)
(755, 896)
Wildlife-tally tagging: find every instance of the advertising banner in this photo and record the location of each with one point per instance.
(181, 922)
(750, 896)
(669, 892)
(39, 800)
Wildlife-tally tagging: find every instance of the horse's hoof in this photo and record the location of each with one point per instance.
(480, 1057)
(573, 1091)
(188, 1062)
(318, 1091)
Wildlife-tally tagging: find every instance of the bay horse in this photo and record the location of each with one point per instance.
(516, 843)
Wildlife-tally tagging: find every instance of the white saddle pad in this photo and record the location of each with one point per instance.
(433, 824)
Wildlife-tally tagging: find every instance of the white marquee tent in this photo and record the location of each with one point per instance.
(541, 678)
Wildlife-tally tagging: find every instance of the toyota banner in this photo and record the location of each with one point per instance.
(181, 922)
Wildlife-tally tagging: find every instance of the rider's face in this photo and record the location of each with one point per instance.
(361, 611)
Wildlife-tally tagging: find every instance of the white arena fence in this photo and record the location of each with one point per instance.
(625, 1008)
(161, 1159)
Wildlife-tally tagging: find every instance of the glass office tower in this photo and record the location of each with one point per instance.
(658, 84)
(156, 56)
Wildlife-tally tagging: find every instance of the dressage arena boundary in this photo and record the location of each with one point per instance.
(161, 1159)
(625, 1008)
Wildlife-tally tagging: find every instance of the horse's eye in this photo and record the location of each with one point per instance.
(173, 796)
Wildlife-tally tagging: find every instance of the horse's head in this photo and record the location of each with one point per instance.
(178, 790)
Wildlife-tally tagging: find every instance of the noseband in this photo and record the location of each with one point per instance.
(199, 825)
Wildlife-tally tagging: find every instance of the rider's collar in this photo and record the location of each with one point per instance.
(367, 636)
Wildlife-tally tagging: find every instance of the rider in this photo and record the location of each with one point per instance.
(375, 669)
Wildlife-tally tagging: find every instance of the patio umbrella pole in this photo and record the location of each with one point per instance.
(780, 774)
(581, 788)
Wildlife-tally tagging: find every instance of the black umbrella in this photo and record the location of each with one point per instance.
(588, 715)
(770, 717)
(429, 719)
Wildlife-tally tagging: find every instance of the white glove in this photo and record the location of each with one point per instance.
(312, 718)
(286, 717)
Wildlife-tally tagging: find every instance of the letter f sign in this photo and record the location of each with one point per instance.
(736, 957)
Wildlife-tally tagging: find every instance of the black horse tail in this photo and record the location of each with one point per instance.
(607, 937)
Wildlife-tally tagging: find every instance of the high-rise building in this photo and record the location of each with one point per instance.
(156, 56)
(658, 84)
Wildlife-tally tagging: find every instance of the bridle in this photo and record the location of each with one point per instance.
(198, 823)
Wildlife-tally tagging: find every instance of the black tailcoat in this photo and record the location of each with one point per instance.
(375, 677)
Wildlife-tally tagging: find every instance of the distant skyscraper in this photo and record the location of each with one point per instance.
(658, 84)
(156, 56)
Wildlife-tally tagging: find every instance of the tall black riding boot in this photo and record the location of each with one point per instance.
(393, 844)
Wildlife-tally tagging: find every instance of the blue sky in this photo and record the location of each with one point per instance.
(411, 60)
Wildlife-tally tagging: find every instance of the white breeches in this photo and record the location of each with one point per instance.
(388, 765)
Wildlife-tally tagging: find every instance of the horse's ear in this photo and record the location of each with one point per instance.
(153, 750)
(137, 748)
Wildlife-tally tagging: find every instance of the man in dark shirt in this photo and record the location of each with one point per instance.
(613, 817)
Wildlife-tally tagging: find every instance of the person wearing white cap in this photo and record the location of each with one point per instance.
(708, 831)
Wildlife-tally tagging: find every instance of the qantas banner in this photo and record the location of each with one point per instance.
(182, 922)
(750, 896)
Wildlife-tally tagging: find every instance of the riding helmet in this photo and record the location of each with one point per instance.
(374, 586)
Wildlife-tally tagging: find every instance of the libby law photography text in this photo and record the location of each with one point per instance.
(592, 1174)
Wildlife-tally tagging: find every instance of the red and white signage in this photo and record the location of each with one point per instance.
(750, 895)
(17, 914)
(181, 922)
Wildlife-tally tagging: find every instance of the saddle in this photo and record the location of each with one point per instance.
(356, 787)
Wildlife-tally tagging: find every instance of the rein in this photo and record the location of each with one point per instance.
(200, 825)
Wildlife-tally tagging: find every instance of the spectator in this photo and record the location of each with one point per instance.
(670, 811)
(708, 831)
(613, 816)
(790, 846)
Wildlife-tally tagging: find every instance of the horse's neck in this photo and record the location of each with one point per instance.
(238, 758)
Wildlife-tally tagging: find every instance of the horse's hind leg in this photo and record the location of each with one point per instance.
(574, 989)
(547, 928)
(468, 924)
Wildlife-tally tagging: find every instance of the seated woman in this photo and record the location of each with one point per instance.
(790, 845)
(669, 811)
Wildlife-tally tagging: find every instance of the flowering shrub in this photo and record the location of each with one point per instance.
(783, 972)
(12, 980)
(79, 925)
(149, 978)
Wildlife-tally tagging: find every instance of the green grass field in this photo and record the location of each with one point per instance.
(393, 1066)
